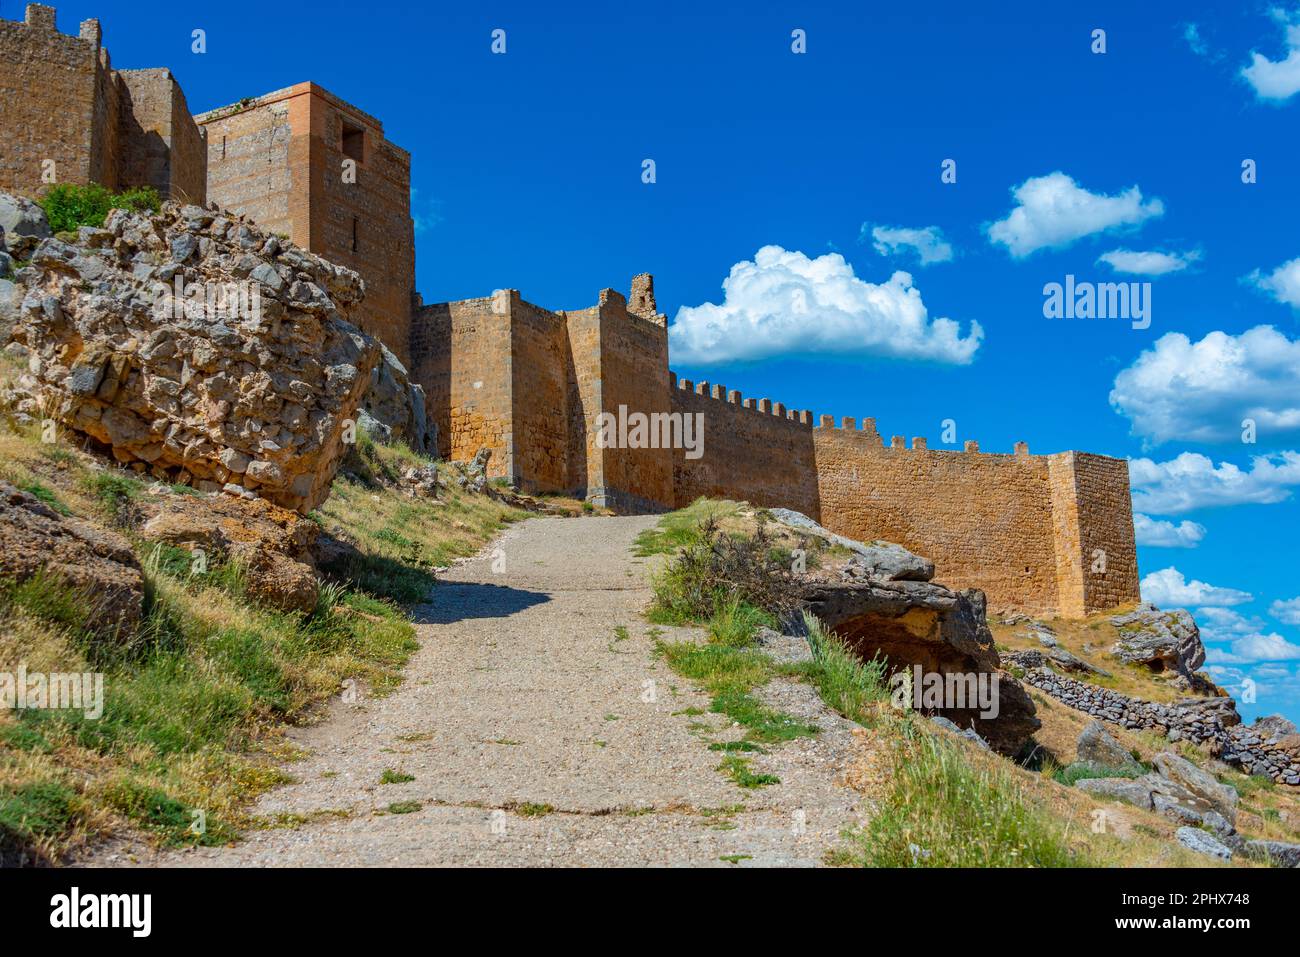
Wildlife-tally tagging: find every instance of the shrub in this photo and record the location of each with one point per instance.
(845, 682)
(69, 206)
(717, 570)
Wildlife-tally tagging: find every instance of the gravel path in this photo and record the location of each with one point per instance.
(536, 735)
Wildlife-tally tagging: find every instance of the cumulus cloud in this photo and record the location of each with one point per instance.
(927, 244)
(783, 303)
(1283, 283)
(1203, 391)
(1054, 211)
(1168, 588)
(1253, 648)
(1277, 80)
(1149, 262)
(1287, 611)
(1193, 481)
(1160, 534)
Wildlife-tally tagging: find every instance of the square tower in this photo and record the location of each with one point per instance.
(304, 163)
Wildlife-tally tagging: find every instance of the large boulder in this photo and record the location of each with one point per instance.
(923, 624)
(1161, 640)
(1201, 784)
(200, 349)
(97, 564)
(1098, 748)
(273, 545)
(394, 407)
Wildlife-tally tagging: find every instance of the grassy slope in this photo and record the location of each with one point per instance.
(195, 706)
(935, 800)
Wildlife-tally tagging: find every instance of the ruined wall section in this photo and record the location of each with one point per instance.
(470, 399)
(53, 97)
(586, 399)
(159, 144)
(753, 450)
(634, 378)
(540, 398)
(985, 520)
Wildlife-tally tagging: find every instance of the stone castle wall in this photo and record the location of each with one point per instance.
(61, 101)
(1039, 534)
(303, 162)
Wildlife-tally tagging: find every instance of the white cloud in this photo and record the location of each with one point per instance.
(1287, 611)
(1054, 211)
(1277, 80)
(783, 303)
(1168, 589)
(1160, 534)
(1283, 283)
(927, 244)
(1193, 481)
(1202, 391)
(1222, 624)
(1148, 263)
(1253, 648)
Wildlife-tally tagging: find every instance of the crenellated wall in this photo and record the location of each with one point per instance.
(1039, 534)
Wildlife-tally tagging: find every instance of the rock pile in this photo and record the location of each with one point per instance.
(199, 349)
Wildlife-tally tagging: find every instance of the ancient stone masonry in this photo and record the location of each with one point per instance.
(1039, 534)
(1260, 748)
(304, 163)
(68, 116)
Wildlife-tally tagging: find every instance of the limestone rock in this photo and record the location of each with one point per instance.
(1097, 747)
(396, 405)
(163, 338)
(924, 624)
(272, 544)
(1202, 843)
(1277, 853)
(96, 563)
(1125, 790)
(1200, 783)
(1161, 640)
(875, 560)
(22, 225)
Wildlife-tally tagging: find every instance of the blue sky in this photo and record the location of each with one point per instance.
(527, 170)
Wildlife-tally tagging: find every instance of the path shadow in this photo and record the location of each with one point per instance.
(458, 601)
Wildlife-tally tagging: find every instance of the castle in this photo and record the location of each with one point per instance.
(1040, 534)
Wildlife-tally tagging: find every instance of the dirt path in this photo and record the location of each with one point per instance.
(524, 696)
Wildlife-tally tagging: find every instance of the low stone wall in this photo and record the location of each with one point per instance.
(1254, 750)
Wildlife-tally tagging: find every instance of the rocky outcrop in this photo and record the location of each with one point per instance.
(394, 407)
(472, 476)
(22, 225)
(921, 623)
(871, 560)
(200, 349)
(1264, 748)
(1160, 640)
(273, 545)
(97, 564)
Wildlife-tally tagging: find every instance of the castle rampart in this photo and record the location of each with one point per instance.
(69, 117)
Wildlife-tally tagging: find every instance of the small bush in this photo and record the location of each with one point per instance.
(846, 683)
(735, 623)
(69, 206)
